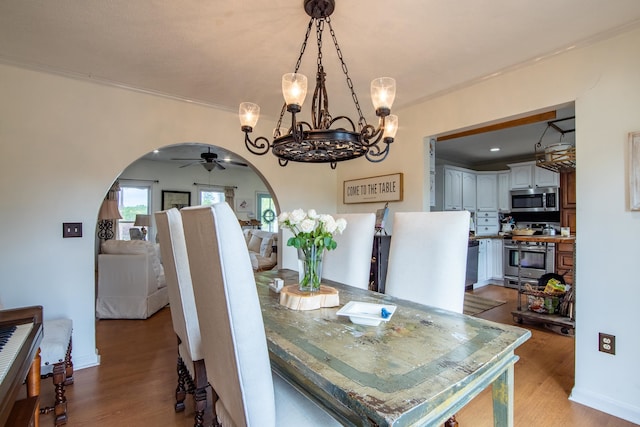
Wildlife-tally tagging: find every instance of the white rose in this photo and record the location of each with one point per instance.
(312, 214)
(307, 225)
(329, 223)
(297, 216)
(283, 217)
(341, 223)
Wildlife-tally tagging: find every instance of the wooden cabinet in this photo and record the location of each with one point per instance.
(487, 191)
(564, 261)
(379, 262)
(568, 200)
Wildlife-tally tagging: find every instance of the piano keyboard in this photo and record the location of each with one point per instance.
(12, 347)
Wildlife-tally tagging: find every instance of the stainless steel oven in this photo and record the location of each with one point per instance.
(537, 259)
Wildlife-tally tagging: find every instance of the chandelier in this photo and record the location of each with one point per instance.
(324, 139)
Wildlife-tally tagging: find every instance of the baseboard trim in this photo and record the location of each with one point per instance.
(86, 361)
(606, 404)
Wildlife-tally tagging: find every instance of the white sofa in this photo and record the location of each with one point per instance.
(260, 245)
(131, 283)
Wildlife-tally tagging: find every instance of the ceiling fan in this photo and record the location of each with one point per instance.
(210, 161)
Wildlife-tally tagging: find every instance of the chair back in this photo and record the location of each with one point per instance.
(178, 277)
(233, 337)
(350, 262)
(428, 258)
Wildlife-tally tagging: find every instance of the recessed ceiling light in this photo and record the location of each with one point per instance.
(494, 149)
(156, 151)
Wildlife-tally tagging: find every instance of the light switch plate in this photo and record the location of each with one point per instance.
(71, 229)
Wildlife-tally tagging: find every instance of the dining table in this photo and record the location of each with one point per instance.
(417, 368)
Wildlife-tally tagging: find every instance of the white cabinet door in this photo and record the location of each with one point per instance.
(521, 176)
(483, 274)
(497, 255)
(487, 197)
(452, 189)
(545, 178)
(469, 191)
(504, 186)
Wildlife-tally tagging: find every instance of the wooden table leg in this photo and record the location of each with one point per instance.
(33, 384)
(502, 391)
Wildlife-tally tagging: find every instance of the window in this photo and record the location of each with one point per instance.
(209, 196)
(267, 213)
(133, 199)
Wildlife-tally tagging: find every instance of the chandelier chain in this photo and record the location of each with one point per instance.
(297, 67)
(362, 120)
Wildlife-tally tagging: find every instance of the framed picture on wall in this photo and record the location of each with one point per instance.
(175, 199)
(244, 204)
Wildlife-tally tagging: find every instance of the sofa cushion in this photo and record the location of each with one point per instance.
(254, 244)
(266, 247)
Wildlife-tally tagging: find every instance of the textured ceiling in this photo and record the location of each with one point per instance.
(225, 52)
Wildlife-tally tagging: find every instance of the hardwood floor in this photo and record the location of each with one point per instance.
(135, 383)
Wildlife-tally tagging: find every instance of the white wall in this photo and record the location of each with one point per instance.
(62, 143)
(604, 81)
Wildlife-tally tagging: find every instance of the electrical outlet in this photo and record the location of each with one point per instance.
(607, 343)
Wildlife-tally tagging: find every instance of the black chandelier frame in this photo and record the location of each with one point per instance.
(319, 141)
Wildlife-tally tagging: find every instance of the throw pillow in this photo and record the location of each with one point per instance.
(254, 244)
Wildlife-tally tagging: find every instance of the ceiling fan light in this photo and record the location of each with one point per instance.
(209, 166)
(294, 88)
(383, 92)
(249, 114)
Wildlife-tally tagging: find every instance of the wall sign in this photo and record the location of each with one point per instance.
(385, 188)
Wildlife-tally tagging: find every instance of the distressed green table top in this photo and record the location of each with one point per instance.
(401, 372)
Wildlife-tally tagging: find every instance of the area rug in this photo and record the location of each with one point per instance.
(474, 304)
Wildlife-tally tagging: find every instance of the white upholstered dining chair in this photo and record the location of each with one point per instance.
(232, 329)
(428, 258)
(350, 262)
(191, 366)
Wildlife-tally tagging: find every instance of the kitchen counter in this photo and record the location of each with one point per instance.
(492, 236)
(544, 239)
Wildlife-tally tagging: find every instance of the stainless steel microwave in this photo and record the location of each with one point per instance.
(542, 199)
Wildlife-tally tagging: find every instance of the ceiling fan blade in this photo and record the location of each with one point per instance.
(185, 160)
(219, 165)
(189, 164)
(233, 162)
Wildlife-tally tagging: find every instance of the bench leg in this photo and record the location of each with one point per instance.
(60, 404)
(181, 391)
(68, 364)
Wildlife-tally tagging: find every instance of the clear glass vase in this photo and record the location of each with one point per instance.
(310, 268)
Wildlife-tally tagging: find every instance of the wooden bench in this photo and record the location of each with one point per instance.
(55, 353)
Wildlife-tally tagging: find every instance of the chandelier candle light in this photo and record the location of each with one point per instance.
(324, 139)
(313, 233)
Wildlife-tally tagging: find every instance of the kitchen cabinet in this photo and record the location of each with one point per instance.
(504, 187)
(483, 271)
(564, 261)
(459, 190)
(545, 178)
(452, 189)
(528, 175)
(497, 259)
(487, 191)
(568, 200)
(469, 191)
(487, 223)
